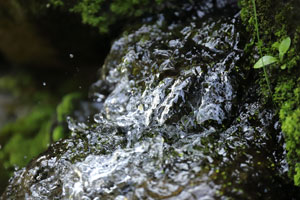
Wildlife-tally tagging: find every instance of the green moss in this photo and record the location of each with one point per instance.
(63, 109)
(30, 133)
(58, 133)
(290, 118)
(57, 2)
(20, 149)
(285, 83)
(66, 106)
(28, 124)
(103, 13)
(26, 138)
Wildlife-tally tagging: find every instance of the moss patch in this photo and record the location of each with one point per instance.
(103, 14)
(285, 83)
(28, 134)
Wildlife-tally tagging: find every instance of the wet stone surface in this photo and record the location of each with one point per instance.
(178, 121)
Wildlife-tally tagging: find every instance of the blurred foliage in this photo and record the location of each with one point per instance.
(31, 132)
(64, 109)
(103, 13)
(66, 106)
(27, 137)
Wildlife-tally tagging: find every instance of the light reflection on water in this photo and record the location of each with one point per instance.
(171, 125)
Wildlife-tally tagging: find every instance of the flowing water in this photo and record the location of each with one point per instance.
(179, 119)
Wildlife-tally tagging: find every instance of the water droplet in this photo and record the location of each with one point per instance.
(44, 83)
(71, 55)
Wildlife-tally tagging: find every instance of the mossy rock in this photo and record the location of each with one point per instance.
(278, 20)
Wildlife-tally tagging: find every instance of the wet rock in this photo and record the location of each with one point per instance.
(174, 123)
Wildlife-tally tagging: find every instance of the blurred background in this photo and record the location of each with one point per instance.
(48, 59)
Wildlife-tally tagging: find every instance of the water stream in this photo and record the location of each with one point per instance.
(179, 119)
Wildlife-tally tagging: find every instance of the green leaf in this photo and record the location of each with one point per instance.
(275, 45)
(283, 66)
(264, 61)
(284, 47)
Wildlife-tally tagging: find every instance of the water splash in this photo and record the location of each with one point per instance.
(168, 127)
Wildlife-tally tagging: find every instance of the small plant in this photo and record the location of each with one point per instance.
(259, 46)
(283, 47)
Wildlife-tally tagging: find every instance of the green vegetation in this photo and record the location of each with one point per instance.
(29, 134)
(42, 121)
(27, 137)
(65, 108)
(283, 47)
(259, 46)
(104, 14)
(285, 83)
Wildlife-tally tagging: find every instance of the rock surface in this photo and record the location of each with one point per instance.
(179, 120)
